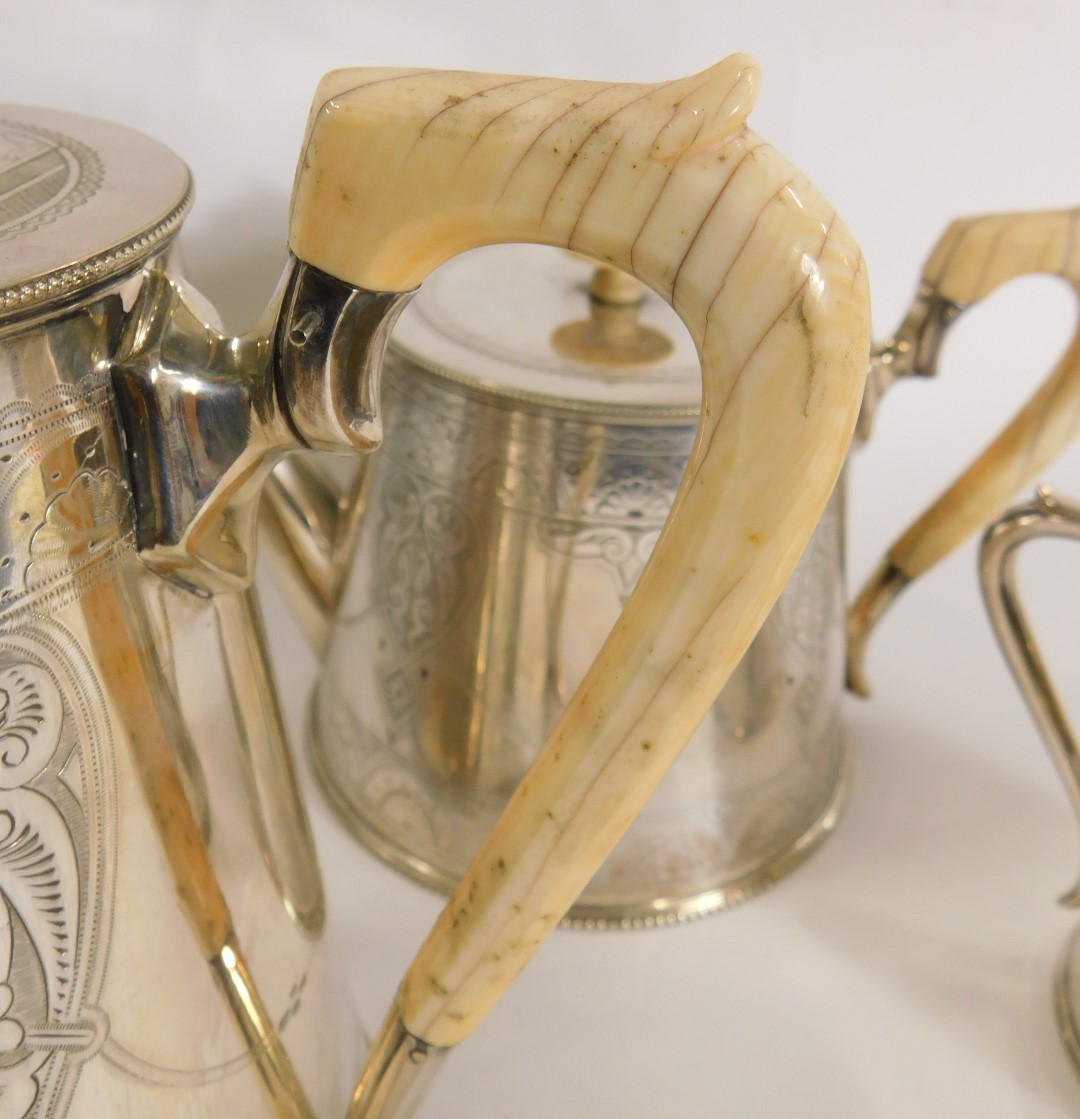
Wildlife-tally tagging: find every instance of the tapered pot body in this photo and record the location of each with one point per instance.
(502, 529)
(139, 909)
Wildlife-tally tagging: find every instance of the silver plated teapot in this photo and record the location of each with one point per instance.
(538, 424)
(474, 567)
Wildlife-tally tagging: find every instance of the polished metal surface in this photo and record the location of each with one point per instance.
(278, 814)
(1067, 999)
(1047, 516)
(330, 344)
(478, 563)
(913, 351)
(613, 335)
(81, 202)
(161, 905)
(207, 416)
(310, 521)
(203, 430)
(399, 1069)
(123, 758)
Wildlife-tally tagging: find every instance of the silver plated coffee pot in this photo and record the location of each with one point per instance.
(160, 951)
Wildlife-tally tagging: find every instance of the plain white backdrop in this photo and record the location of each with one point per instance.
(906, 969)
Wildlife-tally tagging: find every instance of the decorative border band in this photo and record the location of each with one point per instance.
(38, 293)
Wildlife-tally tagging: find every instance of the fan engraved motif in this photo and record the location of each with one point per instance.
(65, 508)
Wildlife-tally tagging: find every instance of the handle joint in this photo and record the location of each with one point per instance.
(328, 353)
(396, 1076)
(912, 351)
(201, 430)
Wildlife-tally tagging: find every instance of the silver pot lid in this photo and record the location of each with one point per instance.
(81, 201)
(517, 323)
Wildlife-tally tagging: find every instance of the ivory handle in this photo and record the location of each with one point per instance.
(403, 169)
(973, 258)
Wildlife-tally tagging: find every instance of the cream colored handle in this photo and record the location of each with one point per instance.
(403, 169)
(1046, 516)
(973, 258)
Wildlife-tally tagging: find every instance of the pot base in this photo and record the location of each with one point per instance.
(668, 869)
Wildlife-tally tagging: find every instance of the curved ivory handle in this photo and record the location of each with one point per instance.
(404, 169)
(1048, 515)
(973, 258)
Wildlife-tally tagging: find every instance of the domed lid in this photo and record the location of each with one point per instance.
(537, 326)
(81, 201)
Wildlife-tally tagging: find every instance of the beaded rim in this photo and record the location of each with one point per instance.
(54, 286)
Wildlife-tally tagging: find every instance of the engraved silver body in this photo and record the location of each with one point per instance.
(471, 575)
(159, 929)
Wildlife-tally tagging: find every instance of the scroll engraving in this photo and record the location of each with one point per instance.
(57, 862)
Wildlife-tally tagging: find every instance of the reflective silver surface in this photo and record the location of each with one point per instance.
(81, 201)
(463, 582)
(160, 904)
(913, 351)
(329, 349)
(1048, 516)
(105, 714)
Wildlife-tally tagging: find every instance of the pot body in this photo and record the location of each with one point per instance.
(500, 536)
(109, 1004)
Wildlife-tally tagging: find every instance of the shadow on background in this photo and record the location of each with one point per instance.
(942, 889)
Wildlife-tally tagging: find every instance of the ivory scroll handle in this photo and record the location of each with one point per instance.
(402, 170)
(973, 258)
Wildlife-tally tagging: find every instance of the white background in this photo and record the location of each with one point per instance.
(906, 970)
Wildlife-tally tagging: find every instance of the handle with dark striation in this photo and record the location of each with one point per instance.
(403, 169)
(974, 257)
